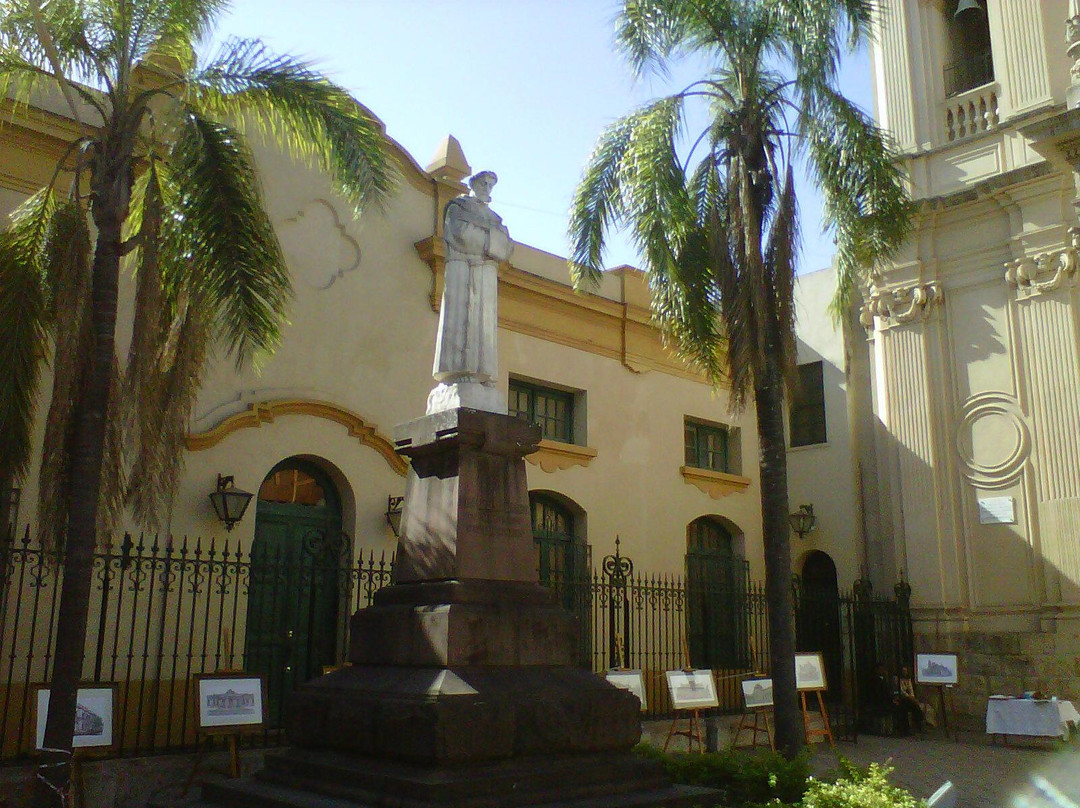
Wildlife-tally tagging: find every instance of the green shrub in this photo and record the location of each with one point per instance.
(745, 779)
(859, 788)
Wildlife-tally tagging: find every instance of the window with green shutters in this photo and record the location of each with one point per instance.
(707, 446)
(552, 410)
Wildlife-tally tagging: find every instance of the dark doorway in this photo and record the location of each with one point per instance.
(294, 592)
(819, 617)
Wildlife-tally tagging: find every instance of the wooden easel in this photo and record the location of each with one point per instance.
(943, 709)
(204, 735)
(760, 715)
(694, 731)
(811, 732)
(202, 742)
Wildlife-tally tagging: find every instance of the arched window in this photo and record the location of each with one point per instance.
(968, 59)
(717, 614)
(563, 561)
(562, 553)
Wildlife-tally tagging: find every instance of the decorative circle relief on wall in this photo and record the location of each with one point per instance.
(992, 440)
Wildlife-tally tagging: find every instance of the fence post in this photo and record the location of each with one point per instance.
(618, 569)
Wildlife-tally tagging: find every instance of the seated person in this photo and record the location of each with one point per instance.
(909, 708)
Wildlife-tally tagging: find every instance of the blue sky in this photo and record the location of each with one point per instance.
(525, 85)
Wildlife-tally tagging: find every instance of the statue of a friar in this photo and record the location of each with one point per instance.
(466, 349)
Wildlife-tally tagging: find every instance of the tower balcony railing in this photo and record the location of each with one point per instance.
(971, 113)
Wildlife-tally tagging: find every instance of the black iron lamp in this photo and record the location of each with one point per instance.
(229, 502)
(803, 520)
(393, 513)
(965, 6)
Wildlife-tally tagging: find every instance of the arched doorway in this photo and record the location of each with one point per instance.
(293, 592)
(819, 617)
(717, 617)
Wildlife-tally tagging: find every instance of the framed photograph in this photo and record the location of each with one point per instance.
(692, 690)
(629, 680)
(810, 671)
(757, 693)
(228, 702)
(95, 716)
(936, 669)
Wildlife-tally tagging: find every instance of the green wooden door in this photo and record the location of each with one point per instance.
(716, 597)
(294, 591)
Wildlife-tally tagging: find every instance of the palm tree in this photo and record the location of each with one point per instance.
(717, 222)
(162, 170)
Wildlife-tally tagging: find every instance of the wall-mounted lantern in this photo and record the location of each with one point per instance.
(229, 502)
(803, 520)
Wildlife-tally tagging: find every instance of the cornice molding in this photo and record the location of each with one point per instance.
(1056, 267)
(714, 483)
(266, 412)
(552, 456)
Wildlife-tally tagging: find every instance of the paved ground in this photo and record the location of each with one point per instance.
(1033, 775)
(1038, 774)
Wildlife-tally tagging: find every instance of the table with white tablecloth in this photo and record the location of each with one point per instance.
(1045, 717)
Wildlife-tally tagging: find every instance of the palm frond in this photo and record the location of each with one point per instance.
(781, 254)
(145, 225)
(53, 36)
(68, 270)
(301, 110)
(603, 198)
(175, 385)
(866, 202)
(23, 326)
(228, 236)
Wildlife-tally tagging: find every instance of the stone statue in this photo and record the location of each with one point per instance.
(466, 349)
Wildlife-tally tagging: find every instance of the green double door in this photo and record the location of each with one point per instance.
(294, 590)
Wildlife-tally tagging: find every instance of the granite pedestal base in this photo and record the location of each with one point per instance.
(303, 779)
(458, 715)
(462, 690)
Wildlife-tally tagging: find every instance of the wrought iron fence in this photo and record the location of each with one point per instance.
(163, 611)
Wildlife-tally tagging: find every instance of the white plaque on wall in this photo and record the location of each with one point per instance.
(997, 511)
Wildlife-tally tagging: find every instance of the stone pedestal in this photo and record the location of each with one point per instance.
(462, 689)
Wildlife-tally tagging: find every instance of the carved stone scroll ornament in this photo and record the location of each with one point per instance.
(905, 304)
(1072, 40)
(1054, 267)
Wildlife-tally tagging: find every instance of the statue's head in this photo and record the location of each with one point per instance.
(482, 183)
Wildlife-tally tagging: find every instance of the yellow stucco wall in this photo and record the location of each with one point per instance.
(357, 353)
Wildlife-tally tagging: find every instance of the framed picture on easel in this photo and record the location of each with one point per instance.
(229, 702)
(692, 690)
(936, 669)
(95, 715)
(810, 672)
(757, 693)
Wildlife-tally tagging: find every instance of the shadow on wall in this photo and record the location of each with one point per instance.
(981, 591)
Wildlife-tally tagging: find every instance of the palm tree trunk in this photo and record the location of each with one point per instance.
(88, 445)
(769, 398)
